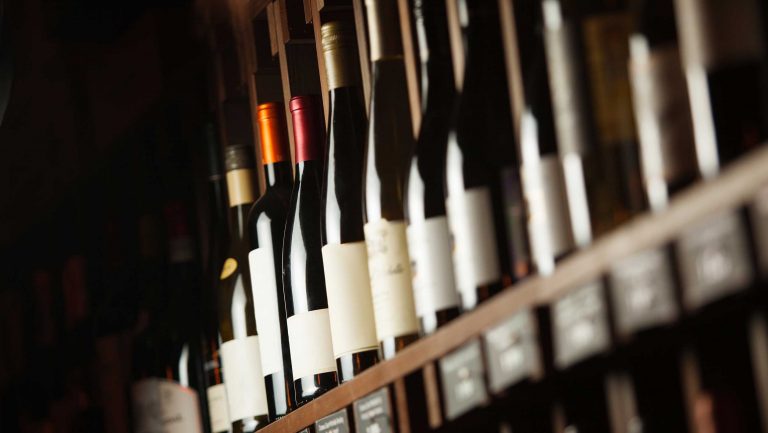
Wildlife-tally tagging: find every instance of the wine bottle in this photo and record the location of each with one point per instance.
(240, 352)
(549, 226)
(725, 72)
(390, 143)
(478, 145)
(661, 103)
(587, 55)
(165, 393)
(345, 259)
(434, 287)
(266, 224)
(306, 303)
(218, 237)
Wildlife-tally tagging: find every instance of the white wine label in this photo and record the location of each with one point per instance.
(475, 259)
(350, 306)
(390, 270)
(434, 285)
(548, 222)
(163, 406)
(309, 335)
(264, 286)
(217, 408)
(246, 392)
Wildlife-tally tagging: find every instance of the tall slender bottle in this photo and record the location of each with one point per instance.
(549, 227)
(479, 143)
(723, 49)
(725, 72)
(218, 238)
(587, 56)
(266, 224)
(390, 143)
(429, 244)
(306, 303)
(345, 259)
(165, 391)
(240, 352)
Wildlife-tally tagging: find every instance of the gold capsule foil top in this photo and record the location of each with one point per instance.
(239, 163)
(340, 52)
(384, 29)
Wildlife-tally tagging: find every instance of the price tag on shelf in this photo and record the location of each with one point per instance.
(759, 214)
(714, 260)
(643, 290)
(373, 413)
(337, 422)
(580, 325)
(512, 351)
(462, 378)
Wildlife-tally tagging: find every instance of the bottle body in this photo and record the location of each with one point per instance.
(169, 378)
(240, 348)
(266, 225)
(390, 143)
(345, 258)
(306, 303)
(482, 182)
(436, 297)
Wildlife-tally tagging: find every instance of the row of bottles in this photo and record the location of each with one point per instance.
(571, 118)
(373, 238)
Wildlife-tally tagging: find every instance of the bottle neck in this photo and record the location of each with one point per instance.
(482, 29)
(306, 169)
(278, 175)
(437, 82)
(383, 23)
(217, 188)
(240, 185)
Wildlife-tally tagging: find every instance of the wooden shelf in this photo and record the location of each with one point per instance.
(735, 187)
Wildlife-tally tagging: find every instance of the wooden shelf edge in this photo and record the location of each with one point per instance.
(736, 186)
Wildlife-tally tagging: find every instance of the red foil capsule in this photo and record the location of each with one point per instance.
(308, 128)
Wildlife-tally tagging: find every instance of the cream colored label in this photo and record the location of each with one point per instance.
(246, 392)
(475, 259)
(309, 335)
(230, 266)
(390, 270)
(548, 223)
(217, 408)
(264, 286)
(434, 285)
(350, 307)
(240, 186)
(163, 406)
